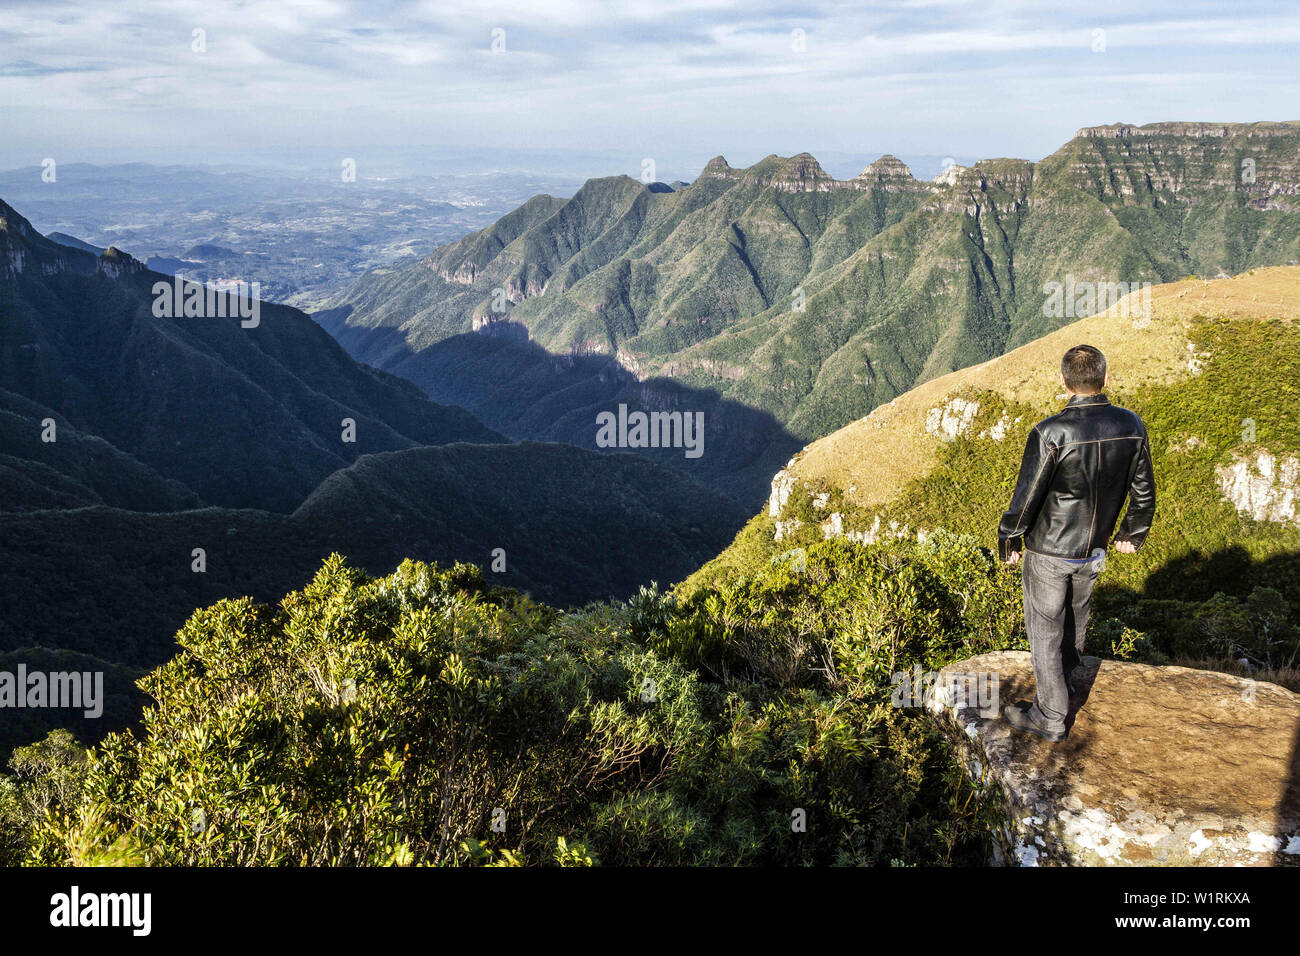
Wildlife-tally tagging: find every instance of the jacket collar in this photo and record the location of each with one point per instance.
(1085, 401)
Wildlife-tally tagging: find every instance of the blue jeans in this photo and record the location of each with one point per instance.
(1058, 594)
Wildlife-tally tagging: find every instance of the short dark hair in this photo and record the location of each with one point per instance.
(1084, 370)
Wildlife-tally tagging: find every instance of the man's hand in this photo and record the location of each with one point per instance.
(1013, 557)
(1125, 547)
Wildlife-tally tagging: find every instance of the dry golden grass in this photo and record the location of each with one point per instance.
(873, 458)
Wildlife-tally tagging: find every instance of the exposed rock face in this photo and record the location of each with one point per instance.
(891, 174)
(1263, 488)
(1211, 130)
(1187, 161)
(782, 485)
(1162, 766)
(498, 327)
(950, 175)
(952, 419)
(803, 174)
(719, 168)
(115, 263)
(998, 430)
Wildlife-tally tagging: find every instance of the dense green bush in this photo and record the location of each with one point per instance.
(845, 617)
(47, 776)
(425, 718)
(1257, 627)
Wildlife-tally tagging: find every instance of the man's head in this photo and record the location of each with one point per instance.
(1083, 370)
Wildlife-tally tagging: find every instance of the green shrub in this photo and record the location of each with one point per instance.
(47, 776)
(423, 718)
(854, 615)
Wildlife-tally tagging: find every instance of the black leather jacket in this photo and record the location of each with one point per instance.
(1078, 468)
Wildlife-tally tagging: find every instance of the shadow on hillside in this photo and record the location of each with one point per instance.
(517, 387)
(1230, 570)
(1199, 575)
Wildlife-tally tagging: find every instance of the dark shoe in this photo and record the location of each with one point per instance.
(1074, 677)
(1019, 717)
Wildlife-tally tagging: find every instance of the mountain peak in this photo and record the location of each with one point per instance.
(888, 167)
(802, 174)
(114, 262)
(717, 168)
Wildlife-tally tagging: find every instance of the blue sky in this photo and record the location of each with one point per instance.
(670, 79)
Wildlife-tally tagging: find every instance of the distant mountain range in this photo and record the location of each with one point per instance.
(304, 234)
(781, 303)
(784, 303)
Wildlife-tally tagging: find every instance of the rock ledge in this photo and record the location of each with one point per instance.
(1162, 766)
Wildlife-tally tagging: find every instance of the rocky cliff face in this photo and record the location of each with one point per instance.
(1164, 162)
(1162, 766)
(1262, 487)
(23, 250)
(892, 175)
(719, 168)
(1198, 130)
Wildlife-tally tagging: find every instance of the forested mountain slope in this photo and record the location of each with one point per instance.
(785, 304)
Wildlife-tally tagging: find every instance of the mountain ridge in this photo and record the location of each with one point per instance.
(814, 300)
(241, 416)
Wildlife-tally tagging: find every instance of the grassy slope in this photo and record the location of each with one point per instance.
(885, 465)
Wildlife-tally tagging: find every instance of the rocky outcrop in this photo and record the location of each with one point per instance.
(951, 175)
(782, 485)
(499, 327)
(719, 168)
(803, 174)
(1263, 488)
(115, 263)
(1161, 766)
(891, 174)
(951, 420)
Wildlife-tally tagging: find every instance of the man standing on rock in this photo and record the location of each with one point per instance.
(1078, 468)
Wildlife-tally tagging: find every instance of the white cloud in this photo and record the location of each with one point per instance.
(1006, 77)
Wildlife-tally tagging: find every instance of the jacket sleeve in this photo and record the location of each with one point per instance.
(1141, 498)
(1031, 488)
